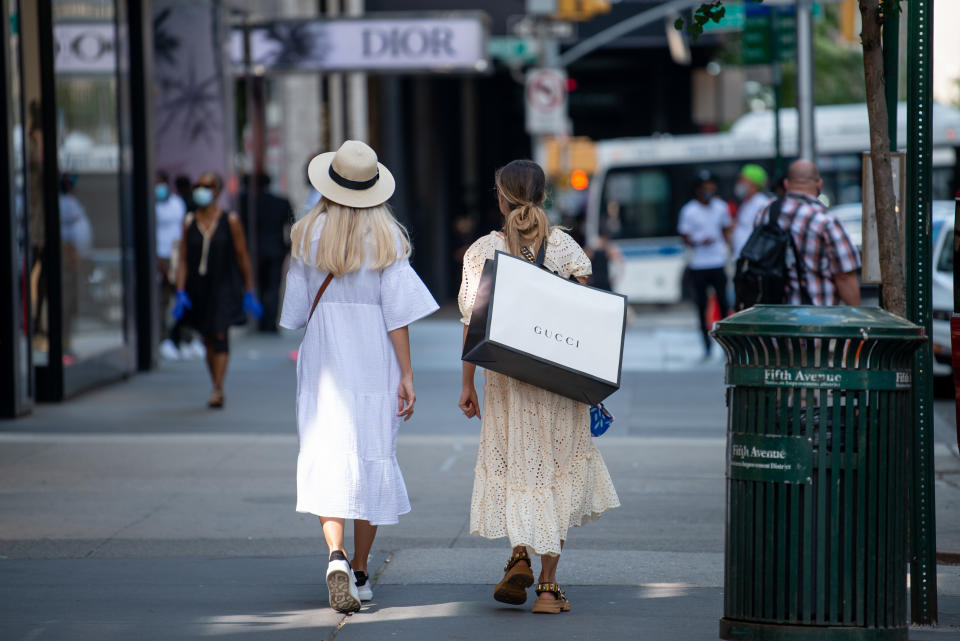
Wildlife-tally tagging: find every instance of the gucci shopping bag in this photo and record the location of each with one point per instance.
(547, 331)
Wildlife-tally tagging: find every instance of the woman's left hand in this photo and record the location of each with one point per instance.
(251, 305)
(406, 398)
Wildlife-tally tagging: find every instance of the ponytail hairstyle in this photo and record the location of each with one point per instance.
(522, 185)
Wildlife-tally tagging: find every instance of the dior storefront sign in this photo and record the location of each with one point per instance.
(402, 42)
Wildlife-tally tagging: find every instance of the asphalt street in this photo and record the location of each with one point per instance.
(133, 512)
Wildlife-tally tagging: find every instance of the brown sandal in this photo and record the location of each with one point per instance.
(551, 606)
(516, 579)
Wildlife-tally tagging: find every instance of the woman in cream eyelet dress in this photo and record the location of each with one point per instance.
(538, 473)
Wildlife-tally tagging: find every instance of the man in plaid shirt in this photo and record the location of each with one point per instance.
(830, 260)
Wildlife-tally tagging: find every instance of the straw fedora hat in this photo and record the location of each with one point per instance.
(351, 176)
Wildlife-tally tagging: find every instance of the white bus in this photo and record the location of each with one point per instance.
(641, 183)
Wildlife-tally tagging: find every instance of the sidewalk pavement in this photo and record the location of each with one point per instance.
(135, 513)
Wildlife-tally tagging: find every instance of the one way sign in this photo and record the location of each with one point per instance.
(545, 96)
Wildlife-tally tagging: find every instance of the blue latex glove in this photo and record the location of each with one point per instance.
(251, 305)
(182, 305)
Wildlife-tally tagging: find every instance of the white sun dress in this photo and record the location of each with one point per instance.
(538, 472)
(347, 380)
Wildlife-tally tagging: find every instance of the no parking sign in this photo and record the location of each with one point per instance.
(545, 96)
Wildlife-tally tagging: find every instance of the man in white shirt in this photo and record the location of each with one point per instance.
(705, 227)
(170, 212)
(751, 191)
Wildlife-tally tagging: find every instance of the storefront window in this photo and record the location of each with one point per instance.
(88, 143)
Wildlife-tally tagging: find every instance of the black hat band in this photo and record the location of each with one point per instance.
(357, 185)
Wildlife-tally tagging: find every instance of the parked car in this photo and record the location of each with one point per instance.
(942, 292)
(942, 264)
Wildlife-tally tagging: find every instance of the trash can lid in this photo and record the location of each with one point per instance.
(818, 321)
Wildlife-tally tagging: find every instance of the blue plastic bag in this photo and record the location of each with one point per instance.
(600, 419)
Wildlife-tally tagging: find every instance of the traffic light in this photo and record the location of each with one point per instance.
(565, 155)
(579, 179)
(580, 10)
(849, 21)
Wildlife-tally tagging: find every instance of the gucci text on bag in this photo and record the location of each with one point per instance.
(546, 330)
(560, 338)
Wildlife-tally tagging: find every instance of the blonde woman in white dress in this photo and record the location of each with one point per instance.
(538, 473)
(354, 376)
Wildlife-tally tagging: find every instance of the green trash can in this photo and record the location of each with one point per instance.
(816, 529)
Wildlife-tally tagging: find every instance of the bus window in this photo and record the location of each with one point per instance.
(945, 264)
(636, 204)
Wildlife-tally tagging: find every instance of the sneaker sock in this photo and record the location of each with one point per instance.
(361, 577)
(337, 555)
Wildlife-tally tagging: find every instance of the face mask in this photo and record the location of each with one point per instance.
(162, 191)
(706, 195)
(740, 190)
(203, 196)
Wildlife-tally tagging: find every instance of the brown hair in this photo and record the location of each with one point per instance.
(524, 188)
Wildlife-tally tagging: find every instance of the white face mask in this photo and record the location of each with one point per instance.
(741, 191)
(203, 196)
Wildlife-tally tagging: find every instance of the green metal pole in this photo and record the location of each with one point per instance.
(923, 546)
(891, 66)
(777, 92)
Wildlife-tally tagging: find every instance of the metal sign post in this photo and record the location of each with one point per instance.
(923, 548)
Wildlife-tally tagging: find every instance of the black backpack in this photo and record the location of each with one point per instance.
(763, 268)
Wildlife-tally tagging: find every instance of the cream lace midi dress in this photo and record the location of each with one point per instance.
(347, 380)
(538, 472)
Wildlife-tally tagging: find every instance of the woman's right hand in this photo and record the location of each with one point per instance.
(469, 403)
(182, 305)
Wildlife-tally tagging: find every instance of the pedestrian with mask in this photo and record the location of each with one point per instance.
(538, 472)
(214, 279)
(170, 211)
(705, 227)
(351, 286)
(750, 190)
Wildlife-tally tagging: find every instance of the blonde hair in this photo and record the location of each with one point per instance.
(351, 238)
(522, 185)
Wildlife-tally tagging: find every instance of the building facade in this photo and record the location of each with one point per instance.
(75, 262)
(97, 94)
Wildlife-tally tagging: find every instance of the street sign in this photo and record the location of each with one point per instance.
(762, 23)
(767, 27)
(545, 96)
(734, 19)
(511, 50)
(541, 27)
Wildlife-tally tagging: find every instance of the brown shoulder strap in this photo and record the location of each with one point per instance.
(316, 299)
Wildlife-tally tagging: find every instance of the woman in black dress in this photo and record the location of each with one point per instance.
(214, 282)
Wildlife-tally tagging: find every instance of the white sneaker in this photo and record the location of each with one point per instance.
(363, 585)
(342, 588)
(193, 349)
(169, 351)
